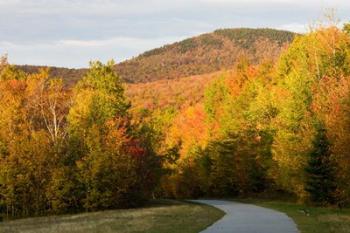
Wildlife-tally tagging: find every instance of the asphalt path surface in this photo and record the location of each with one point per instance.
(247, 218)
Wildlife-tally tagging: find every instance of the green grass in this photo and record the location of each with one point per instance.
(320, 220)
(159, 217)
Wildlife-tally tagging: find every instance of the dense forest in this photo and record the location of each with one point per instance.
(272, 125)
(175, 93)
(198, 55)
(69, 150)
(280, 127)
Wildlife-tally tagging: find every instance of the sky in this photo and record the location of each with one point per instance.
(70, 33)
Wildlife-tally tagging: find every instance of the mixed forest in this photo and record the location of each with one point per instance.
(266, 124)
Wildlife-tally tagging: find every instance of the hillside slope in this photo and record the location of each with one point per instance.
(198, 55)
(176, 93)
(70, 76)
(205, 54)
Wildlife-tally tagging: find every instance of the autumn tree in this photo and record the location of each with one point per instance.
(110, 161)
(27, 154)
(63, 151)
(311, 58)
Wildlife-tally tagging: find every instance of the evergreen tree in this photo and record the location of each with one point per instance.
(223, 178)
(321, 183)
(346, 28)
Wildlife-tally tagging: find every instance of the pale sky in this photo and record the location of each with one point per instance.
(70, 33)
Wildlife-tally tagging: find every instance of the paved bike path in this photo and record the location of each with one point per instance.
(247, 218)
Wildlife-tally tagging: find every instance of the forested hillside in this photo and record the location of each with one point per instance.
(275, 125)
(198, 55)
(70, 76)
(205, 54)
(175, 93)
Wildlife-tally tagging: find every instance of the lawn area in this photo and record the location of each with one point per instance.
(158, 217)
(319, 220)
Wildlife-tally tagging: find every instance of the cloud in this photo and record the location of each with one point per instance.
(72, 32)
(269, 2)
(294, 27)
(128, 42)
(247, 1)
(78, 53)
(92, 7)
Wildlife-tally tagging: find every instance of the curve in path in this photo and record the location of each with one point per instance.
(247, 218)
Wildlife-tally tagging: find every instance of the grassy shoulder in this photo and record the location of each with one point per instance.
(310, 219)
(158, 217)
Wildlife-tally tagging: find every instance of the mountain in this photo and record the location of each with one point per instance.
(205, 54)
(202, 54)
(70, 76)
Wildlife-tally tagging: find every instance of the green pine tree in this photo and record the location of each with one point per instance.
(320, 182)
